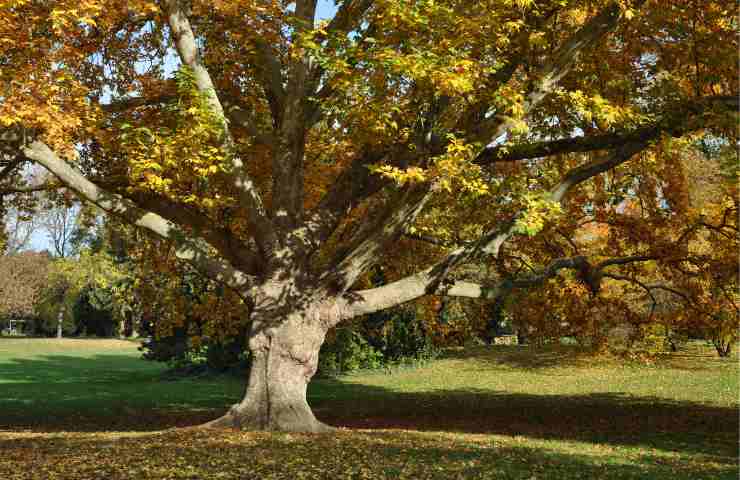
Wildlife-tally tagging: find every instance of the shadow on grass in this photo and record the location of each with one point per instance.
(606, 418)
(104, 392)
(531, 357)
(522, 356)
(121, 393)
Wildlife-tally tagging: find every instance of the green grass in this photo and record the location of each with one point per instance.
(47, 382)
(92, 409)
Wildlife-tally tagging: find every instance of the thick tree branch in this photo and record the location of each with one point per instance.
(270, 76)
(221, 239)
(348, 18)
(427, 283)
(525, 151)
(289, 151)
(625, 260)
(353, 185)
(589, 170)
(560, 63)
(44, 187)
(248, 195)
(474, 117)
(349, 15)
(188, 248)
(375, 235)
(675, 120)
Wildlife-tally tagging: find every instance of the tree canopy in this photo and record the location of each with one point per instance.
(23, 277)
(284, 157)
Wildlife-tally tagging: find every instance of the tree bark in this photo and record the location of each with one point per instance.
(285, 354)
(60, 319)
(723, 348)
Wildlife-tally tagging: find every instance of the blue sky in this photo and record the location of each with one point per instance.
(325, 9)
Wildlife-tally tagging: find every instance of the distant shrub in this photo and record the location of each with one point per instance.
(47, 316)
(185, 357)
(348, 350)
(383, 340)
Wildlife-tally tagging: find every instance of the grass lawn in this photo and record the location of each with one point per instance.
(82, 409)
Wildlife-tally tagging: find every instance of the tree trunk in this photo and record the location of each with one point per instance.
(60, 319)
(122, 328)
(135, 322)
(285, 355)
(723, 349)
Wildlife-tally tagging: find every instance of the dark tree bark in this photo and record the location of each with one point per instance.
(723, 348)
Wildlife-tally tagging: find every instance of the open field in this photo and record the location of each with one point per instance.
(92, 409)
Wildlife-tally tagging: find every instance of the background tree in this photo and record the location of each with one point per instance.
(18, 202)
(89, 293)
(23, 277)
(286, 156)
(59, 222)
(19, 230)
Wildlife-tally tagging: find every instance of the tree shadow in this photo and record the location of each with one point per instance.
(617, 419)
(104, 392)
(532, 357)
(522, 356)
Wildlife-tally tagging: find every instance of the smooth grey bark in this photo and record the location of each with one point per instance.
(275, 398)
(246, 189)
(284, 340)
(60, 319)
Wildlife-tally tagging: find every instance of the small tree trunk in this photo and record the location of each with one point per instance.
(135, 321)
(122, 327)
(60, 319)
(723, 349)
(284, 358)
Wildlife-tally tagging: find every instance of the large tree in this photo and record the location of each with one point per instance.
(285, 157)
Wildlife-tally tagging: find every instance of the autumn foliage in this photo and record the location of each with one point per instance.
(285, 158)
(23, 277)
